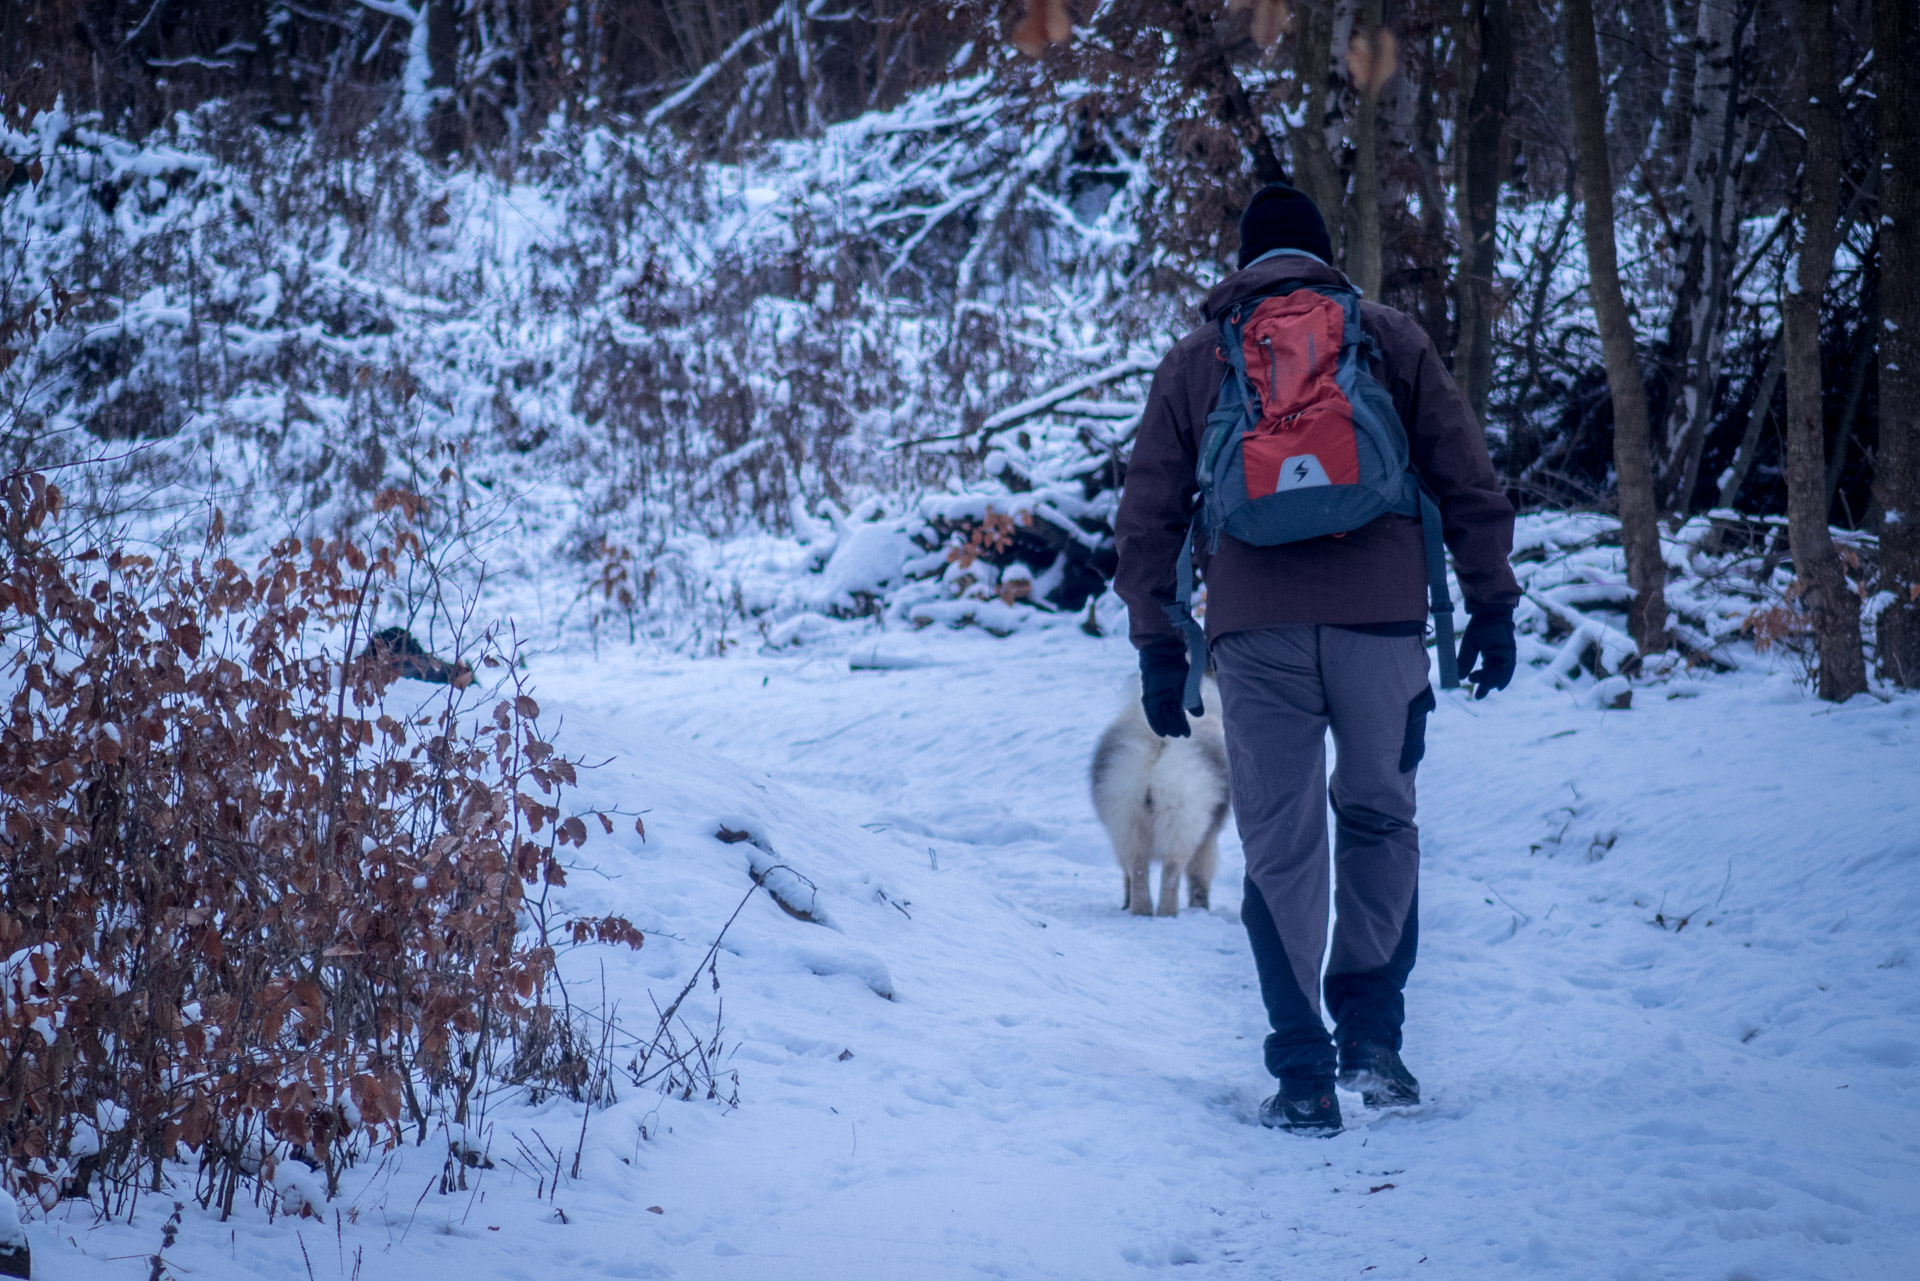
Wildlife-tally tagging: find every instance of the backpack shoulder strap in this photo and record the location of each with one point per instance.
(1180, 614)
(1415, 501)
(1439, 600)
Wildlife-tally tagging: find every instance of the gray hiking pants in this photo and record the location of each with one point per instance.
(1281, 689)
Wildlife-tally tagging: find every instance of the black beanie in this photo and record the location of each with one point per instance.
(1282, 217)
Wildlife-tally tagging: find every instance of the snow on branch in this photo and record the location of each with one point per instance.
(414, 90)
(679, 97)
(1615, 647)
(911, 123)
(1067, 391)
(728, 463)
(934, 216)
(1115, 409)
(392, 9)
(1064, 217)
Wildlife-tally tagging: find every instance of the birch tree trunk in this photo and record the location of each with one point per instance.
(1482, 129)
(1320, 55)
(1821, 577)
(1896, 79)
(1632, 432)
(807, 115)
(1710, 229)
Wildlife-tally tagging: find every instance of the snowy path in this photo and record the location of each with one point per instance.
(1058, 1090)
(1073, 1087)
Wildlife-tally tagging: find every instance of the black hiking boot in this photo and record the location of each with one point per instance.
(1305, 1107)
(1375, 1070)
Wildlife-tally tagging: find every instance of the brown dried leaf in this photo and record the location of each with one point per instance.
(1046, 22)
(1270, 19)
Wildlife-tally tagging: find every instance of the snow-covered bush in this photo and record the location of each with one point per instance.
(620, 350)
(260, 903)
(666, 396)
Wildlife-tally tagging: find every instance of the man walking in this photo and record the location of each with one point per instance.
(1310, 635)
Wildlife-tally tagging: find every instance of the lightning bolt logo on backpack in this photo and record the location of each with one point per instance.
(1300, 472)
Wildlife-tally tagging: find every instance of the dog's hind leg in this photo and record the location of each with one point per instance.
(1132, 848)
(1200, 874)
(1139, 888)
(1139, 852)
(1135, 850)
(1170, 870)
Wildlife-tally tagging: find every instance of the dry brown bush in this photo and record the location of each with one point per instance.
(255, 904)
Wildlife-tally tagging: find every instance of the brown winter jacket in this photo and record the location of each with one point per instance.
(1375, 574)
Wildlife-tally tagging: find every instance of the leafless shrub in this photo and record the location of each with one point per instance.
(256, 904)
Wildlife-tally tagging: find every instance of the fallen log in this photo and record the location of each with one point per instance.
(1617, 652)
(797, 896)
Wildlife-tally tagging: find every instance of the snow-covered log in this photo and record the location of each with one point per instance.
(1613, 649)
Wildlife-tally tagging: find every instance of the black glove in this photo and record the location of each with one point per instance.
(1488, 638)
(1163, 687)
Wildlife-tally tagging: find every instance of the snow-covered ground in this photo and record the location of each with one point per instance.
(1666, 1014)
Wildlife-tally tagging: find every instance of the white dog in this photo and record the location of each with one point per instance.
(1163, 801)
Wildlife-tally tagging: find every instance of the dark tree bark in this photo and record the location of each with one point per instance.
(1480, 176)
(1632, 432)
(1896, 79)
(1750, 438)
(446, 124)
(1432, 258)
(1861, 361)
(1316, 171)
(1817, 568)
(1370, 50)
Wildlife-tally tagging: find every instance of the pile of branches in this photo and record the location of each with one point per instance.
(1731, 593)
(258, 903)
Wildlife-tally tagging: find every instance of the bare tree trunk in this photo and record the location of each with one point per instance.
(1862, 365)
(1641, 95)
(1479, 178)
(1632, 432)
(1821, 577)
(593, 31)
(1428, 146)
(1709, 229)
(808, 87)
(1369, 49)
(1323, 27)
(1736, 475)
(1896, 63)
(445, 125)
(1337, 122)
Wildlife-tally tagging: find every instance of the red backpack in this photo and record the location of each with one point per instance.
(1304, 442)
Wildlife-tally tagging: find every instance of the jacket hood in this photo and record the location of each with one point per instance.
(1264, 276)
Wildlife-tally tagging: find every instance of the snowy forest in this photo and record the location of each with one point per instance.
(556, 568)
